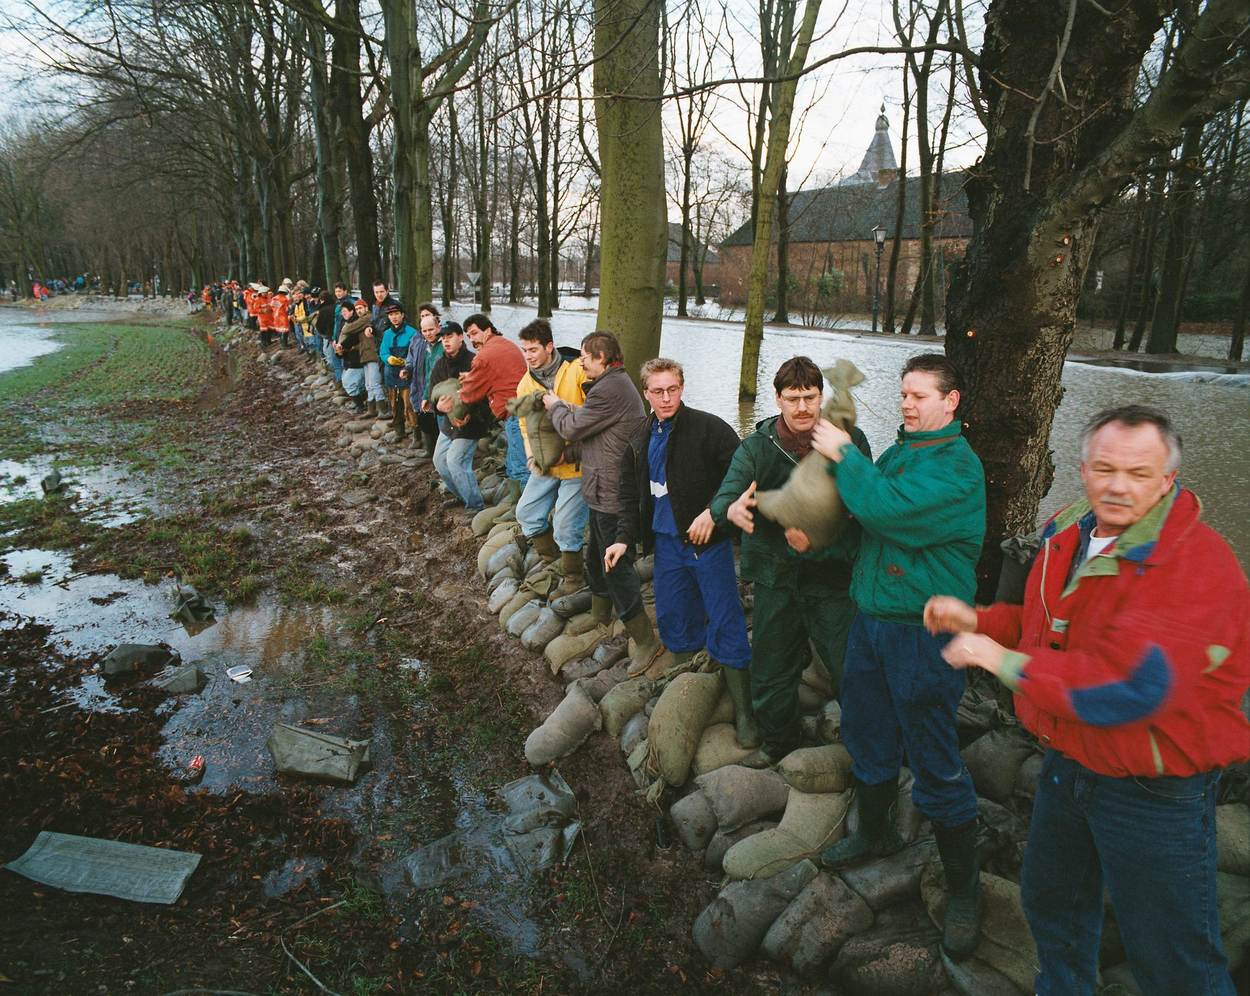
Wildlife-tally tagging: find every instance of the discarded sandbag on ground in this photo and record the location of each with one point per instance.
(566, 729)
(817, 769)
(693, 820)
(181, 680)
(809, 500)
(819, 920)
(718, 747)
(312, 754)
(731, 927)
(623, 702)
(1006, 943)
(810, 823)
(677, 724)
(994, 761)
(741, 795)
(129, 658)
(545, 445)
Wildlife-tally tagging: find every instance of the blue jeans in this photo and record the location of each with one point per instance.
(373, 381)
(898, 692)
(1151, 843)
(353, 379)
(696, 600)
(515, 464)
(453, 459)
(335, 361)
(559, 500)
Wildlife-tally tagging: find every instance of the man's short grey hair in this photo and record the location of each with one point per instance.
(1133, 416)
(662, 365)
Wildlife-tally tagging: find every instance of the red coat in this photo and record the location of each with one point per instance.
(264, 309)
(1139, 665)
(279, 320)
(497, 369)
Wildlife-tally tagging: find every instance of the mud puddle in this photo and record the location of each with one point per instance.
(105, 495)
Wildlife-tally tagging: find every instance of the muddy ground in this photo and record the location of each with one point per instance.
(300, 885)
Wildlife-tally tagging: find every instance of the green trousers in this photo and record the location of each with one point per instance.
(782, 623)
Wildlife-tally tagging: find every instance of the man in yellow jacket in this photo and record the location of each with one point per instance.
(551, 510)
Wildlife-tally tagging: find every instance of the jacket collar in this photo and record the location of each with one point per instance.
(930, 437)
(1145, 540)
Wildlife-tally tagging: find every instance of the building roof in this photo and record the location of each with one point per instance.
(674, 246)
(878, 163)
(849, 212)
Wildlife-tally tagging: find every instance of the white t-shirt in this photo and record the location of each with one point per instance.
(1097, 544)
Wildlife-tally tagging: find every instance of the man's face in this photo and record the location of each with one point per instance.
(362, 309)
(800, 407)
(1124, 474)
(379, 292)
(924, 407)
(340, 293)
(537, 355)
(452, 343)
(429, 329)
(396, 318)
(593, 365)
(664, 393)
(477, 336)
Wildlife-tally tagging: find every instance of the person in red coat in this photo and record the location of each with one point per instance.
(1129, 660)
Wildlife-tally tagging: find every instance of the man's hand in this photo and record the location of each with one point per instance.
(975, 650)
(458, 423)
(425, 405)
(944, 614)
(549, 401)
(740, 514)
(403, 374)
(446, 403)
(613, 554)
(798, 540)
(828, 440)
(369, 331)
(700, 530)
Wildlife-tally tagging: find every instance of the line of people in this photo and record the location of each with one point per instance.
(1128, 658)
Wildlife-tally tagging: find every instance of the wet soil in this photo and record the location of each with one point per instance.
(363, 621)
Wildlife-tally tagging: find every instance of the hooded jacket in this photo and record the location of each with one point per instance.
(1134, 663)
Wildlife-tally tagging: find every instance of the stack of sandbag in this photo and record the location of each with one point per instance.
(809, 500)
(545, 445)
(732, 927)
(566, 729)
(677, 723)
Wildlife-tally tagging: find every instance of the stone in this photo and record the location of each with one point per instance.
(731, 927)
(812, 929)
(354, 499)
(358, 425)
(891, 880)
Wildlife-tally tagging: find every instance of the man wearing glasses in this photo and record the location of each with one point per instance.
(674, 464)
(801, 595)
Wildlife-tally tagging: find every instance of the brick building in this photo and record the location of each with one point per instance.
(672, 262)
(832, 256)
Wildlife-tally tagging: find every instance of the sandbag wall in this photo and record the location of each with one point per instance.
(758, 834)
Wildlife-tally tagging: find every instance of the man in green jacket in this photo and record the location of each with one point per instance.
(922, 511)
(801, 594)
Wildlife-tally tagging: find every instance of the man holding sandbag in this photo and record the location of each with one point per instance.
(801, 594)
(922, 510)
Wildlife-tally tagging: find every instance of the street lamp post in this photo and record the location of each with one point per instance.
(878, 236)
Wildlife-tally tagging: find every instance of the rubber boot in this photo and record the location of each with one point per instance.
(738, 682)
(371, 409)
(601, 610)
(514, 492)
(647, 646)
(573, 567)
(544, 544)
(961, 926)
(358, 403)
(384, 409)
(430, 438)
(876, 836)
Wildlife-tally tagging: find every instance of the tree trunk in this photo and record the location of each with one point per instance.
(778, 140)
(483, 214)
(631, 161)
(1164, 325)
(783, 250)
(1148, 286)
(1134, 257)
(900, 205)
(450, 269)
(683, 287)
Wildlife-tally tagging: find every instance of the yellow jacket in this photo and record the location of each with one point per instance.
(570, 386)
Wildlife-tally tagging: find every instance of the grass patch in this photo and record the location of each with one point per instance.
(31, 577)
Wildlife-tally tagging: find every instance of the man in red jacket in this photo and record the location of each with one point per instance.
(1129, 659)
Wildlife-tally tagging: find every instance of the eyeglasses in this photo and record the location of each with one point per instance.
(664, 392)
(801, 400)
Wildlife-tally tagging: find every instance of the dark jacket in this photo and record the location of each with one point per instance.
(700, 448)
(766, 556)
(378, 319)
(480, 418)
(323, 321)
(350, 337)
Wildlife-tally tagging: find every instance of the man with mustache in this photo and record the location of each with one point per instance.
(1129, 660)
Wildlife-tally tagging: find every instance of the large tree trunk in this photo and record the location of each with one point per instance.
(782, 316)
(483, 211)
(1145, 298)
(631, 161)
(1166, 321)
(1134, 258)
(399, 18)
(900, 205)
(1034, 207)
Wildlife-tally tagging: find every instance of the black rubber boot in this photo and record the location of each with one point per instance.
(876, 836)
(738, 682)
(961, 927)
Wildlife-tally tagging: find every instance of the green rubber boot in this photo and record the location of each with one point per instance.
(647, 646)
(545, 545)
(961, 926)
(876, 836)
(601, 610)
(738, 682)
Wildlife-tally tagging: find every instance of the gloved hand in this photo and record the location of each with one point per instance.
(395, 361)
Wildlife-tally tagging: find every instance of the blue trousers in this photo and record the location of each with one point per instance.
(1151, 843)
(335, 361)
(453, 459)
(373, 381)
(515, 464)
(696, 600)
(557, 499)
(898, 692)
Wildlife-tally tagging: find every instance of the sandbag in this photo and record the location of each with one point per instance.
(566, 729)
(717, 748)
(1232, 837)
(829, 722)
(810, 700)
(739, 795)
(731, 927)
(1233, 898)
(505, 554)
(585, 667)
(817, 769)
(811, 823)
(450, 386)
(1006, 944)
(313, 754)
(994, 760)
(972, 977)
(520, 598)
(546, 448)
(482, 521)
(899, 955)
(809, 499)
(519, 621)
(724, 711)
(818, 921)
(894, 879)
(502, 595)
(677, 724)
(598, 685)
(505, 573)
(569, 646)
(693, 820)
(1027, 777)
(623, 702)
(634, 732)
(722, 841)
(816, 676)
(542, 630)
